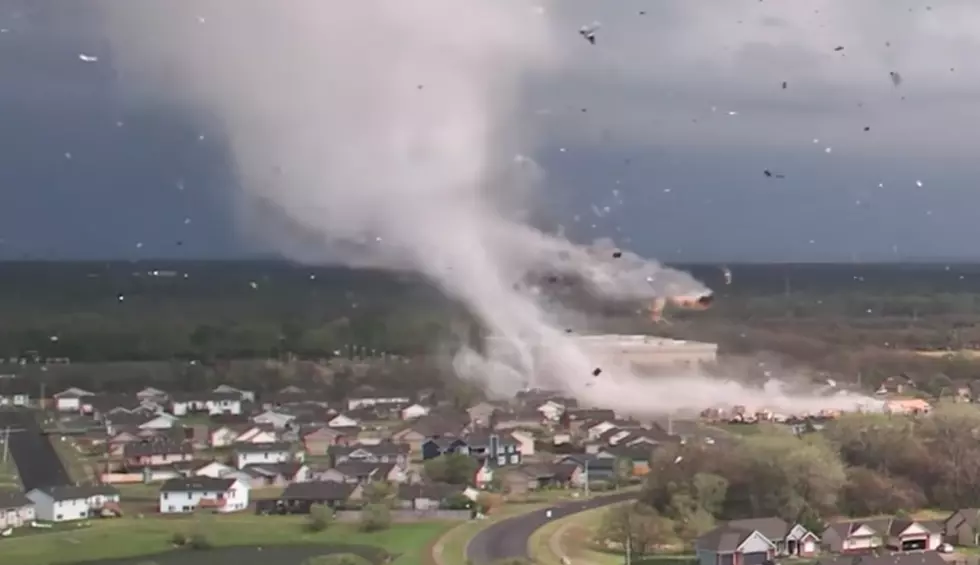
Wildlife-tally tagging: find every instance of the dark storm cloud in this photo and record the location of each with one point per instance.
(657, 89)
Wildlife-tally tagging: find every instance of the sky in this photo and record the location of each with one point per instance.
(670, 120)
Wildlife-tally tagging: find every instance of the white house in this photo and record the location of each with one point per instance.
(257, 434)
(151, 394)
(551, 410)
(414, 411)
(64, 503)
(214, 403)
(15, 399)
(189, 494)
(278, 420)
(245, 395)
(162, 421)
(222, 436)
(15, 509)
(364, 402)
(342, 421)
(214, 470)
(263, 453)
(70, 399)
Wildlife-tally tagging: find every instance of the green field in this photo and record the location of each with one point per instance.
(135, 537)
(8, 474)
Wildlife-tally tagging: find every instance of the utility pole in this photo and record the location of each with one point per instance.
(629, 537)
(6, 444)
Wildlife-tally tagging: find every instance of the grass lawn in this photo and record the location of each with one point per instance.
(75, 462)
(571, 536)
(8, 474)
(133, 537)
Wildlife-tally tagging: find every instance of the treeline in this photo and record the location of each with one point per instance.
(150, 310)
(860, 465)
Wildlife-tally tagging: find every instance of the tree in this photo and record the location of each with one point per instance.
(375, 517)
(710, 490)
(379, 492)
(639, 526)
(452, 468)
(622, 470)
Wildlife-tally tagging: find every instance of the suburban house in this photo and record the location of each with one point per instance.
(413, 411)
(390, 399)
(551, 410)
(212, 403)
(431, 496)
(257, 433)
(790, 541)
(278, 420)
(343, 422)
(70, 399)
(537, 476)
(418, 431)
(497, 449)
(963, 527)
(223, 436)
(15, 399)
(363, 472)
(261, 453)
(206, 493)
(319, 440)
(297, 498)
(277, 474)
(731, 545)
(215, 469)
(156, 453)
(595, 467)
(895, 533)
(152, 394)
(383, 452)
(526, 440)
(64, 503)
(15, 509)
(244, 395)
(638, 455)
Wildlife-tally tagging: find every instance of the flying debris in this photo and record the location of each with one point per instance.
(771, 174)
(839, 48)
(617, 254)
(589, 31)
(727, 273)
(596, 372)
(692, 302)
(785, 84)
(896, 78)
(87, 58)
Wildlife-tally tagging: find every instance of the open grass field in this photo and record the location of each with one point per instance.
(140, 537)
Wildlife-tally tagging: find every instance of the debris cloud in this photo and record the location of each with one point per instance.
(383, 132)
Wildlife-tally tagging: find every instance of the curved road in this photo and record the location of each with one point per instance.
(508, 538)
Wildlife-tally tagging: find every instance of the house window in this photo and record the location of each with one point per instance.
(502, 460)
(165, 496)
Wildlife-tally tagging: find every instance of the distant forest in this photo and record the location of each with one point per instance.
(214, 311)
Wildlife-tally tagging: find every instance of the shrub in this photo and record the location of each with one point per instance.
(320, 518)
(375, 517)
(179, 539)
(200, 541)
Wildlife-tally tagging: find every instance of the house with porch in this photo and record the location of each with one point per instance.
(732, 545)
(899, 534)
(963, 527)
(790, 540)
(205, 493)
(15, 509)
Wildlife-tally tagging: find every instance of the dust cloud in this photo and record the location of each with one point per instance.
(384, 132)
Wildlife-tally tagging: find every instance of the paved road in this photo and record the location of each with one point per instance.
(508, 538)
(37, 462)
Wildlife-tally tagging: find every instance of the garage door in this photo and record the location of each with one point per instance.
(755, 558)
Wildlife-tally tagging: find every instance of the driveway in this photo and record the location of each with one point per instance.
(508, 538)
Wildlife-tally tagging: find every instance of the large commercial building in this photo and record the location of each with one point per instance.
(650, 353)
(642, 353)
